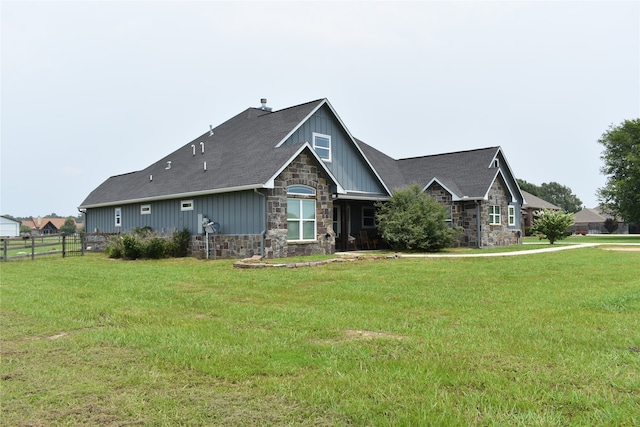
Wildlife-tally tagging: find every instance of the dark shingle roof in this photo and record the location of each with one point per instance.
(239, 154)
(386, 166)
(244, 153)
(465, 173)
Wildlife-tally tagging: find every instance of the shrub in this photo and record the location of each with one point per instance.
(114, 247)
(155, 248)
(131, 247)
(144, 243)
(180, 243)
(413, 220)
(552, 225)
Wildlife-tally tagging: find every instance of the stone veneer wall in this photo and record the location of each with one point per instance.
(226, 246)
(498, 235)
(465, 215)
(302, 171)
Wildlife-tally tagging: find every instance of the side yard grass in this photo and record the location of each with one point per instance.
(548, 339)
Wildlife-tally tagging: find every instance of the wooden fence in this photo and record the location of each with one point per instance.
(30, 246)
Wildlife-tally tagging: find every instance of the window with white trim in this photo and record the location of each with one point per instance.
(494, 215)
(322, 145)
(301, 213)
(368, 217)
(512, 216)
(449, 215)
(118, 217)
(186, 205)
(145, 209)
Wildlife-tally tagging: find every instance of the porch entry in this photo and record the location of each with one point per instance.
(354, 225)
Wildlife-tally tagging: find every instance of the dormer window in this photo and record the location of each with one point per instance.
(322, 145)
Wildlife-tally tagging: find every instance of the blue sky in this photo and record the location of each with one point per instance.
(94, 89)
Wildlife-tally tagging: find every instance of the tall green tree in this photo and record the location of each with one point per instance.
(555, 193)
(69, 226)
(413, 220)
(561, 196)
(621, 194)
(529, 187)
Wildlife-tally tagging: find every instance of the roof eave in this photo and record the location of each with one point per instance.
(176, 196)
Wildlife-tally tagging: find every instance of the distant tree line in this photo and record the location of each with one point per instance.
(554, 193)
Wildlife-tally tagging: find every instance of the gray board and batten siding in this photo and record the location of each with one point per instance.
(347, 164)
(237, 213)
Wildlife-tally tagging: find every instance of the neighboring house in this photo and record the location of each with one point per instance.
(296, 182)
(46, 225)
(591, 221)
(9, 227)
(533, 204)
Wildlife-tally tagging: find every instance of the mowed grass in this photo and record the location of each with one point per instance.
(547, 339)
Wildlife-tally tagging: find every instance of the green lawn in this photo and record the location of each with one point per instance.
(548, 339)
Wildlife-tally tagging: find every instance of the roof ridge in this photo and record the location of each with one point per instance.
(449, 153)
(287, 108)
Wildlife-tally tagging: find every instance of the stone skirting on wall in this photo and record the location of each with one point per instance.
(226, 246)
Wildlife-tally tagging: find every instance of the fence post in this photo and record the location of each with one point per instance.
(64, 245)
(33, 248)
(4, 250)
(81, 243)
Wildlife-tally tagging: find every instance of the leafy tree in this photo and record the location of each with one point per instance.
(621, 156)
(552, 225)
(412, 220)
(555, 193)
(561, 196)
(529, 187)
(610, 225)
(69, 226)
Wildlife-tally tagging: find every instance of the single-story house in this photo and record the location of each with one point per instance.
(296, 181)
(533, 204)
(592, 220)
(46, 225)
(9, 227)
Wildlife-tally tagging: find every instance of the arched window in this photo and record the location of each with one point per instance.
(301, 213)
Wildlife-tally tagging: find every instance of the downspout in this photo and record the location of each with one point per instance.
(264, 229)
(479, 229)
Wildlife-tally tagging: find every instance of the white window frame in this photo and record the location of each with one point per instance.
(512, 216)
(186, 205)
(316, 135)
(494, 215)
(302, 194)
(145, 209)
(372, 217)
(449, 218)
(117, 214)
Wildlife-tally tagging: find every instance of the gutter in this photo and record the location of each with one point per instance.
(173, 196)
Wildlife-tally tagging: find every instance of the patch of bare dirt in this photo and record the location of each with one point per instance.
(360, 334)
(622, 248)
